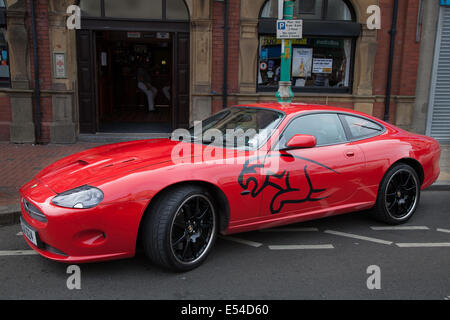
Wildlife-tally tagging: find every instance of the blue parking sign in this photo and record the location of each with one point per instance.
(281, 25)
(445, 2)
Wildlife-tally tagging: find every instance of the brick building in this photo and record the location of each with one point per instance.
(90, 79)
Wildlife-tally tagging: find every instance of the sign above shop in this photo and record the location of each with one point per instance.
(289, 29)
(445, 3)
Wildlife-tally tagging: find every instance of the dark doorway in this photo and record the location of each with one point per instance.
(133, 81)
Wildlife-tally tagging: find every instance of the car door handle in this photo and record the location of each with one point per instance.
(245, 192)
(350, 153)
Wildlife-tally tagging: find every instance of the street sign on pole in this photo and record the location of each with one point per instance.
(289, 29)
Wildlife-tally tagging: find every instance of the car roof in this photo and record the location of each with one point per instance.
(290, 108)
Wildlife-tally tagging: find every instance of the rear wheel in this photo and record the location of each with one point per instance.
(181, 228)
(398, 195)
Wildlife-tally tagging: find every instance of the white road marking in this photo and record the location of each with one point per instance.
(400, 228)
(424, 245)
(289, 230)
(443, 230)
(17, 253)
(355, 236)
(19, 233)
(302, 247)
(243, 241)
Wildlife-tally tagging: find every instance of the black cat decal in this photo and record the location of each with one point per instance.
(302, 190)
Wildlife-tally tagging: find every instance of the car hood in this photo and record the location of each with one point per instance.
(103, 162)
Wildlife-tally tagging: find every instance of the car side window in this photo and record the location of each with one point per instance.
(360, 127)
(326, 127)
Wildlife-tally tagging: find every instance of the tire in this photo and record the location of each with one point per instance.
(181, 228)
(398, 195)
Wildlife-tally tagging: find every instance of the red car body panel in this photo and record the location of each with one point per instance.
(343, 178)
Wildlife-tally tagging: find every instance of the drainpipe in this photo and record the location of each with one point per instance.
(37, 90)
(391, 60)
(225, 54)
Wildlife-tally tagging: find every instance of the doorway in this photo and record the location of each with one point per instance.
(134, 71)
(133, 81)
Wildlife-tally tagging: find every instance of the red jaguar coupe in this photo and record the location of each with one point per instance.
(244, 168)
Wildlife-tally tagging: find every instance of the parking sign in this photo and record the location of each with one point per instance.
(289, 29)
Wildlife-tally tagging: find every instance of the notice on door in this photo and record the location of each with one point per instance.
(322, 65)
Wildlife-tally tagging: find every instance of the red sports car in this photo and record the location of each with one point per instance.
(244, 168)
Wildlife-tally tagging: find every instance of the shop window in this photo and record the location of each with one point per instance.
(91, 8)
(4, 57)
(322, 61)
(313, 10)
(136, 9)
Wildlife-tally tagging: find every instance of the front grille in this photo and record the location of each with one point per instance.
(33, 211)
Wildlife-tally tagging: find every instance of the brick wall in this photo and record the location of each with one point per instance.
(406, 54)
(5, 118)
(45, 65)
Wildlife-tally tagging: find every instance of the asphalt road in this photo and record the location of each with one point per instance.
(328, 263)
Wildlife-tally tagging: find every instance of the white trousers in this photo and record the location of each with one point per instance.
(150, 93)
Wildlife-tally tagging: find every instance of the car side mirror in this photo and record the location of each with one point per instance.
(300, 141)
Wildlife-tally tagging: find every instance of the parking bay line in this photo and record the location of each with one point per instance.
(17, 253)
(301, 247)
(443, 230)
(289, 230)
(355, 236)
(242, 241)
(400, 228)
(423, 245)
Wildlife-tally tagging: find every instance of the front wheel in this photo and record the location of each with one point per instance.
(181, 228)
(398, 195)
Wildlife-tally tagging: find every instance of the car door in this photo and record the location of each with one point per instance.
(324, 176)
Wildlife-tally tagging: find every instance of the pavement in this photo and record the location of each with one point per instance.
(349, 256)
(20, 163)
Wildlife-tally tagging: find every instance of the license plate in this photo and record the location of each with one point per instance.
(29, 233)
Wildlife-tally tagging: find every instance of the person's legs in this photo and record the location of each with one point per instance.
(166, 91)
(150, 95)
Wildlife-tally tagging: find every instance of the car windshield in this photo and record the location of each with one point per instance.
(237, 127)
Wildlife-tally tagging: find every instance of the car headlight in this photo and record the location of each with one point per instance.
(83, 197)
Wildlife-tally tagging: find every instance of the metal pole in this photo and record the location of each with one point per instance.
(391, 61)
(225, 54)
(37, 90)
(285, 94)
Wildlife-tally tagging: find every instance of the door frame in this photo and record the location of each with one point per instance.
(114, 24)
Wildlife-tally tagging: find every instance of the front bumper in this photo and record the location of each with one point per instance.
(106, 232)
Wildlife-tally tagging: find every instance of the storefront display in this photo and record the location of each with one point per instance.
(316, 62)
